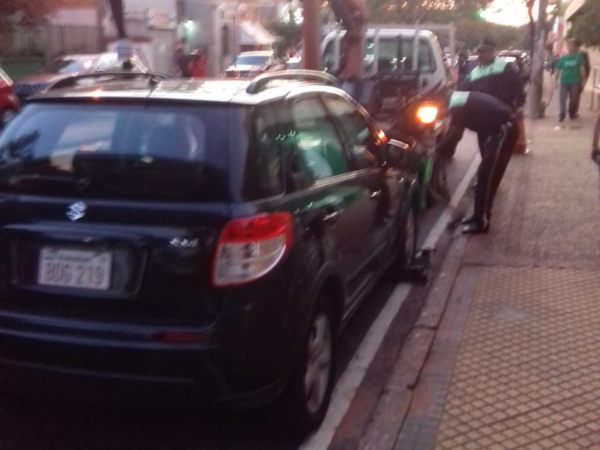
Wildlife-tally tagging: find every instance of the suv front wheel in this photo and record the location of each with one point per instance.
(309, 392)
(5, 116)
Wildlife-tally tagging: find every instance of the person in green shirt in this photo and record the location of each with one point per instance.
(570, 74)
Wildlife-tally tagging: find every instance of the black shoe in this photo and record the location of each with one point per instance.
(561, 119)
(575, 116)
(468, 220)
(472, 219)
(477, 227)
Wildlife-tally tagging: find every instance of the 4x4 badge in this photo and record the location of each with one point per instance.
(76, 211)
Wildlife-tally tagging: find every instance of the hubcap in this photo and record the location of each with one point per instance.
(5, 116)
(318, 367)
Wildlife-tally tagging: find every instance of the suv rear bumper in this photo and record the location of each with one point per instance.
(128, 374)
(68, 386)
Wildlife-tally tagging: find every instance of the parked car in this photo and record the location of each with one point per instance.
(65, 66)
(252, 64)
(9, 105)
(205, 240)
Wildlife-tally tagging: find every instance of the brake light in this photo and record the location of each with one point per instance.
(427, 114)
(251, 247)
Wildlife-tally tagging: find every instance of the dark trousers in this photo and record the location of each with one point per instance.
(569, 91)
(496, 153)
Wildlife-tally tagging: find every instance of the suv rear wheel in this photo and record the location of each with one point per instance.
(309, 392)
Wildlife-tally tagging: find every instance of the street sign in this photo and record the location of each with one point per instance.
(124, 50)
(160, 20)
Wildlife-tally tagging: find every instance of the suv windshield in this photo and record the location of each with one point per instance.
(118, 151)
(70, 65)
(251, 60)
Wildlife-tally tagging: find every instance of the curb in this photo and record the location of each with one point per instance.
(392, 408)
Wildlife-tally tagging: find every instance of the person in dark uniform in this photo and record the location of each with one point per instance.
(495, 124)
(497, 78)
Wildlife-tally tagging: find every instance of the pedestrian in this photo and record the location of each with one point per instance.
(596, 141)
(570, 74)
(463, 66)
(197, 65)
(587, 65)
(181, 62)
(496, 126)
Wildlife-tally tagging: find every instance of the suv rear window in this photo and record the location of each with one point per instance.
(157, 151)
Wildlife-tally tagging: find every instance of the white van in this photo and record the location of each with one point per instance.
(392, 50)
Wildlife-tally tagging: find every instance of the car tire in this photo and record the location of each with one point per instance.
(408, 236)
(308, 394)
(437, 190)
(6, 115)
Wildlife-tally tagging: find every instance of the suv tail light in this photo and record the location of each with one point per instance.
(249, 248)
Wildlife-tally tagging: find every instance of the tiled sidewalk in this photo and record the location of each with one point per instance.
(527, 374)
(515, 363)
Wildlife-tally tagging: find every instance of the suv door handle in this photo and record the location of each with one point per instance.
(376, 195)
(331, 217)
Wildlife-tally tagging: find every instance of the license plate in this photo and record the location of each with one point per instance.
(75, 268)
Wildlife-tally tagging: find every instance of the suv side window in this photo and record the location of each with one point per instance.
(319, 149)
(357, 132)
(263, 175)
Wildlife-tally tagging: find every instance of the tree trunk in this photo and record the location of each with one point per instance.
(537, 74)
(310, 34)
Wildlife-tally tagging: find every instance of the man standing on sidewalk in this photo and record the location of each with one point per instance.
(495, 124)
(499, 79)
(570, 74)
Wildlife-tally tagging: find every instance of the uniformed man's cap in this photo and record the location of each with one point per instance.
(487, 44)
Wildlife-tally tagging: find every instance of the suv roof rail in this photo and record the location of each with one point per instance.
(112, 76)
(259, 83)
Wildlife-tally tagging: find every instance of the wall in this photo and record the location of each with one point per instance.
(156, 41)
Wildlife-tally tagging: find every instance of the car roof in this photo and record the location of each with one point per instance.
(86, 55)
(185, 90)
(261, 53)
(389, 32)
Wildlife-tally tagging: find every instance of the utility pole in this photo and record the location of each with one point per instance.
(536, 109)
(310, 34)
(101, 11)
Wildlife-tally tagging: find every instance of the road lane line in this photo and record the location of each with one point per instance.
(442, 223)
(351, 379)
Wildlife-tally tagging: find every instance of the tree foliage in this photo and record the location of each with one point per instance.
(419, 11)
(469, 33)
(289, 35)
(31, 12)
(586, 24)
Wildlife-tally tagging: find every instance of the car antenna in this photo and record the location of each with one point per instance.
(152, 80)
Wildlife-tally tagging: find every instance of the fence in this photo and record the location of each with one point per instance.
(50, 40)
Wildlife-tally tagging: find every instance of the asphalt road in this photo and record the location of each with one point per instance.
(29, 425)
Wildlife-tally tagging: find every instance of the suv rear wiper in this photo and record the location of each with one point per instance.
(81, 183)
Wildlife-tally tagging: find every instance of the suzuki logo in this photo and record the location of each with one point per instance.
(76, 211)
